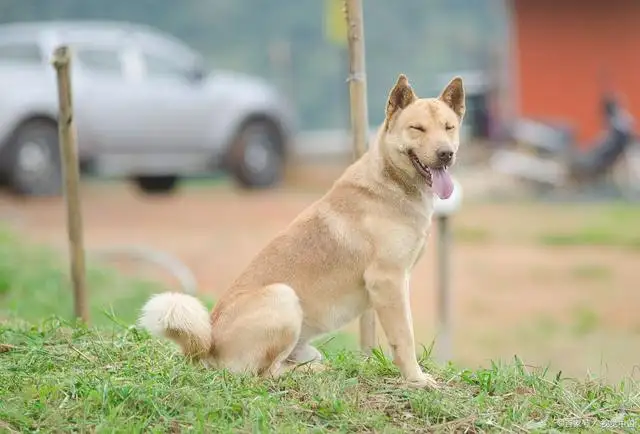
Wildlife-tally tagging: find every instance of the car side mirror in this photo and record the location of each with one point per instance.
(197, 74)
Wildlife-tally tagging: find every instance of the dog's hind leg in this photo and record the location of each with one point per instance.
(305, 357)
(304, 353)
(264, 330)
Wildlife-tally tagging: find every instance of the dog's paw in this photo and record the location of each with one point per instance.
(304, 354)
(307, 368)
(311, 367)
(424, 381)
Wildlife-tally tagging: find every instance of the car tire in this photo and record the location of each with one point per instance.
(256, 155)
(162, 184)
(31, 161)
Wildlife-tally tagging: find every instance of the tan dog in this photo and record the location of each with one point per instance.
(353, 249)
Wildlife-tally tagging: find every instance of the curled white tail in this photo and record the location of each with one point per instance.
(181, 318)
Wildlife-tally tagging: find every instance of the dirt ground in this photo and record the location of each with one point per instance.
(575, 308)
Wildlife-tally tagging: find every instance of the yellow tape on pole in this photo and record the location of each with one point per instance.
(335, 26)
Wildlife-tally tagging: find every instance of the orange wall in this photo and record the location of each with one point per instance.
(562, 46)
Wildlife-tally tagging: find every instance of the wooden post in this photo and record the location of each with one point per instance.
(70, 166)
(443, 211)
(443, 349)
(359, 124)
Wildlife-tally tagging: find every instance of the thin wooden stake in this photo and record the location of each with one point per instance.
(70, 166)
(444, 346)
(359, 124)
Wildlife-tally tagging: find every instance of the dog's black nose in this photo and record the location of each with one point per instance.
(445, 156)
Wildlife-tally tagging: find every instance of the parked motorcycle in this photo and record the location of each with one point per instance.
(545, 153)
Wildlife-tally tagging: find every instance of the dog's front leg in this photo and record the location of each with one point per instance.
(388, 290)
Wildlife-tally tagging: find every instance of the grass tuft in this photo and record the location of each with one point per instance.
(63, 377)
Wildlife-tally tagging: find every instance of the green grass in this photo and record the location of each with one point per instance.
(61, 377)
(615, 225)
(591, 272)
(585, 320)
(472, 235)
(34, 284)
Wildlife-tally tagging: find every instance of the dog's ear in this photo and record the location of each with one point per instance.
(453, 96)
(401, 95)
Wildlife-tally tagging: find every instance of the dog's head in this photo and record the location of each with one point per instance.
(421, 135)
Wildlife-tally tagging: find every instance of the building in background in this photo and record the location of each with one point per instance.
(564, 54)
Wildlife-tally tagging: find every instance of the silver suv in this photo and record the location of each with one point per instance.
(145, 109)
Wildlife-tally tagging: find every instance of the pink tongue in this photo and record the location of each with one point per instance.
(442, 183)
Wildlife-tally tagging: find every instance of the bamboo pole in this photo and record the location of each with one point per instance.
(359, 124)
(70, 166)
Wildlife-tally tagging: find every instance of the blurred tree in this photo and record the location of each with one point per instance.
(420, 38)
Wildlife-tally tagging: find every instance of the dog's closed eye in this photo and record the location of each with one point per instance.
(418, 128)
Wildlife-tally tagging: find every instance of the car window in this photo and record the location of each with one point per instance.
(160, 66)
(104, 60)
(20, 53)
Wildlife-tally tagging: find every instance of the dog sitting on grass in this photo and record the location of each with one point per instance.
(353, 249)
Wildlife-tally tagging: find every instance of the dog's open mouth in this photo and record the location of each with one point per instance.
(421, 168)
(438, 179)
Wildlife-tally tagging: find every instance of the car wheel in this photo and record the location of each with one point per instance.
(256, 156)
(157, 184)
(32, 160)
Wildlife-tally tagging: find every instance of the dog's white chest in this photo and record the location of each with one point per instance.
(346, 309)
(401, 244)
